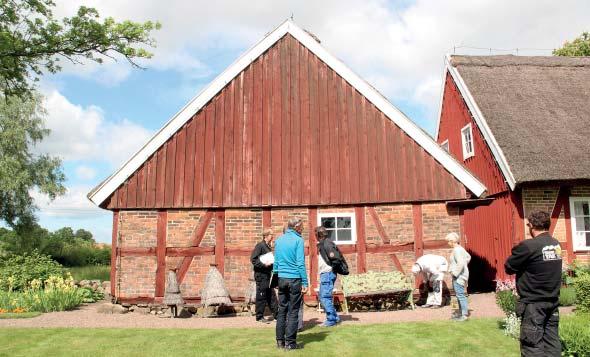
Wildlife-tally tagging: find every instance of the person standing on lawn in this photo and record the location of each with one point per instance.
(460, 272)
(433, 269)
(262, 274)
(537, 265)
(290, 266)
(330, 263)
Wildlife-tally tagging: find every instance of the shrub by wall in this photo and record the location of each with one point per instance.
(16, 272)
(574, 332)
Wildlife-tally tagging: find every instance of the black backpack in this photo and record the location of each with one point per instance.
(338, 263)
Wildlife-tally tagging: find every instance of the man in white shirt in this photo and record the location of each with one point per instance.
(433, 269)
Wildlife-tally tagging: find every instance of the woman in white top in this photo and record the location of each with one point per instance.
(459, 260)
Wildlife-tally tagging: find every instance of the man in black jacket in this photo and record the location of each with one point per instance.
(262, 274)
(537, 265)
(330, 261)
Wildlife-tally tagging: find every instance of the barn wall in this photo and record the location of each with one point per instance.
(287, 131)
(138, 231)
(454, 116)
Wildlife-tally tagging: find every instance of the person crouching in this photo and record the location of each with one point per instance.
(433, 269)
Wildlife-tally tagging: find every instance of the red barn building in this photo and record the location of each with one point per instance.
(521, 125)
(287, 130)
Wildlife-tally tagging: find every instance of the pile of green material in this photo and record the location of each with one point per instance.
(375, 282)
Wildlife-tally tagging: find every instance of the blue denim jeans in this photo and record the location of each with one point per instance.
(461, 297)
(326, 289)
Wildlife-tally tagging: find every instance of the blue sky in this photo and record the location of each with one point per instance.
(100, 115)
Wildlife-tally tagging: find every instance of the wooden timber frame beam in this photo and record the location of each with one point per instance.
(418, 235)
(384, 237)
(161, 252)
(114, 252)
(361, 252)
(194, 242)
(313, 249)
(220, 240)
(562, 202)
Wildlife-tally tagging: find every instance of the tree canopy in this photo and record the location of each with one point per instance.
(33, 41)
(578, 47)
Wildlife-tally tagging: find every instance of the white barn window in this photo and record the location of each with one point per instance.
(580, 217)
(341, 227)
(467, 141)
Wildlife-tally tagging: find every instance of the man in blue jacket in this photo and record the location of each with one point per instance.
(290, 266)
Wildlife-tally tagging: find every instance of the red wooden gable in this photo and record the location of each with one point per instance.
(287, 131)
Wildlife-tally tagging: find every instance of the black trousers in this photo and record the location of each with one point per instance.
(264, 296)
(289, 305)
(539, 335)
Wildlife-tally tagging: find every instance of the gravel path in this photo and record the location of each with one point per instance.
(483, 305)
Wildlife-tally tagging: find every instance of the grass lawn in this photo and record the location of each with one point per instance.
(91, 272)
(478, 337)
(22, 315)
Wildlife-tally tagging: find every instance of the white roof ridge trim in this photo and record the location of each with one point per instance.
(108, 186)
(481, 122)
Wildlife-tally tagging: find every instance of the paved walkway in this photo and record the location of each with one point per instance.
(482, 305)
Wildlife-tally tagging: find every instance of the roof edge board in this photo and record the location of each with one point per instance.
(108, 186)
(481, 123)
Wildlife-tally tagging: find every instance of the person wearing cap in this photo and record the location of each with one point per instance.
(290, 266)
(433, 269)
(460, 272)
(262, 275)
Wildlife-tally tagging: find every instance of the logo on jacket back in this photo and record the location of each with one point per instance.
(551, 252)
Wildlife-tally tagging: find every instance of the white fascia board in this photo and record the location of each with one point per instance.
(102, 192)
(482, 124)
(442, 94)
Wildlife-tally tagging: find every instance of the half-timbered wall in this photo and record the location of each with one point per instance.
(388, 237)
(287, 131)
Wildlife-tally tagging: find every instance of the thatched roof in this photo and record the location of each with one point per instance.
(538, 110)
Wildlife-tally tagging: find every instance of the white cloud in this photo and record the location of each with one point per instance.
(398, 47)
(82, 133)
(73, 204)
(85, 172)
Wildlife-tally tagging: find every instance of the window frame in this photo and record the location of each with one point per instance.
(576, 247)
(445, 145)
(466, 154)
(350, 215)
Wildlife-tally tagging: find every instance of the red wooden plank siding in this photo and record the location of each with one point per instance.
(219, 148)
(179, 168)
(189, 165)
(220, 240)
(114, 249)
(360, 240)
(287, 131)
(161, 252)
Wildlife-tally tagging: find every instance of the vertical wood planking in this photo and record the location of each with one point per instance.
(295, 106)
(123, 196)
(132, 192)
(277, 142)
(228, 147)
(314, 115)
(382, 161)
(179, 165)
(189, 165)
(333, 163)
(199, 158)
(398, 163)
(409, 166)
(257, 133)
(238, 137)
(286, 158)
(324, 134)
(170, 172)
(161, 252)
(418, 170)
(359, 165)
(141, 185)
(209, 155)
(361, 246)
(267, 140)
(248, 141)
(305, 126)
(313, 250)
(220, 240)
(161, 175)
(114, 250)
(344, 149)
(151, 182)
(391, 162)
(373, 145)
(218, 167)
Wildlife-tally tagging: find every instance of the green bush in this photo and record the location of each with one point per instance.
(574, 332)
(58, 294)
(18, 271)
(567, 296)
(582, 287)
(506, 300)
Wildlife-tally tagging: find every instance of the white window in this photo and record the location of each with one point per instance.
(445, 145)
(341, 227)
(467, 141)
(580, 217)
